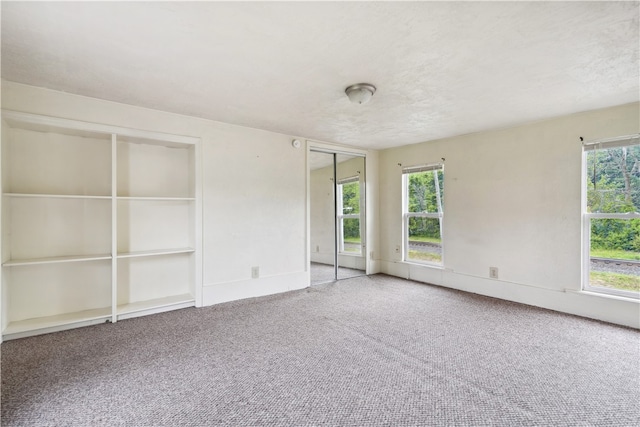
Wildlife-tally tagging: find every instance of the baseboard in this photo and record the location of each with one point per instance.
(397, 269)
(348, 261)
(216, 293)
(620, 311)
(352, 261)
(374, 267)
(322, 257)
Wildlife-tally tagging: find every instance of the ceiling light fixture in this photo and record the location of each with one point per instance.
(360, 93)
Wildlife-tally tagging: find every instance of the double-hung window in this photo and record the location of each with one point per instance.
(611, 216)
(422, 213)
(349, 232)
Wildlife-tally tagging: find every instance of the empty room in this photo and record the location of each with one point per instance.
(320, 213)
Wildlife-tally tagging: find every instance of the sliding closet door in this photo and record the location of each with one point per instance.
(337, 217)
(350, 216)
(322, 217)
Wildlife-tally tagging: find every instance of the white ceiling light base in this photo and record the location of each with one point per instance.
(360, 93)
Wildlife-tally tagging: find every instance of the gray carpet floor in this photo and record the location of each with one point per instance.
(368, 351)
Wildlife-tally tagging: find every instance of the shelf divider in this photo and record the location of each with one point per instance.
(114, 228)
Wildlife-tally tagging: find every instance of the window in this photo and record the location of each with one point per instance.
(349, 216)
(611, 202)
(422, 213)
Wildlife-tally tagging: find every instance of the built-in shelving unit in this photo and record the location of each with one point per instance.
(99, 223)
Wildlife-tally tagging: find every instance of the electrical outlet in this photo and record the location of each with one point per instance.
(255, 272)
(493, 272)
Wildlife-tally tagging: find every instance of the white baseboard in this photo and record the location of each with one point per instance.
(348, 261)
(620, 311)
(397, 269)
(322, 257)
(374, 267)
(216, 293)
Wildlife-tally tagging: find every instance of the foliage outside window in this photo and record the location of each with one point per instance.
(423, 213)
(611, 216)
(349, 216)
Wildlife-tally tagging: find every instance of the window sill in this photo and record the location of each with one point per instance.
(424, 264)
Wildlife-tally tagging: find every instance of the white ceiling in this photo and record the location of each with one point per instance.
(441, 68)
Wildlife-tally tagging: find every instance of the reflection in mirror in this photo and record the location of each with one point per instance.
(322, 217)
(337, 221)
(350, 179)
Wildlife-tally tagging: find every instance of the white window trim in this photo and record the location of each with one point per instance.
(622, 141)
(342, 216)
(407, 215)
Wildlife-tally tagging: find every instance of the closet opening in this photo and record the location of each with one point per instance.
(337, 215)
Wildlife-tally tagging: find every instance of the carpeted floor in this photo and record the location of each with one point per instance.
(368, 351)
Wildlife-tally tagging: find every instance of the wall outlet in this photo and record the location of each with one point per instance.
(493, 272)
(255, 272)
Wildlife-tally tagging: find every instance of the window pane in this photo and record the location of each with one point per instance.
(613, 180)
(351, 198)
(351, 235)
(615, 254)
(425, 243)
(423, 193)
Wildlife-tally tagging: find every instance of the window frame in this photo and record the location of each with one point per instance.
(342, 216)
(616, 142)
(406, 215)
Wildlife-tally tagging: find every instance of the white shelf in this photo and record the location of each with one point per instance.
(54, 196)
(156, 252)
(90, 210)
(55, 260)
(157, 305)
(170, 199)
(59, 322)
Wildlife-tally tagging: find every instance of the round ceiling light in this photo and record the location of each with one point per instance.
(360, 93)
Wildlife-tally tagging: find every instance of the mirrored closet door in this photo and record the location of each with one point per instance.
(350, 209)
(337, 217)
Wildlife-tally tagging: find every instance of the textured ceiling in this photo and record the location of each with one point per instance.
(441, 68)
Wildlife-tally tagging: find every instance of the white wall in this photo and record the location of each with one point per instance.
(513, 201)
(254, 190)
